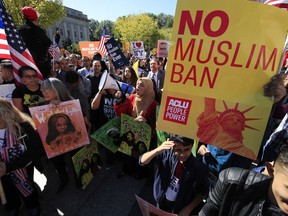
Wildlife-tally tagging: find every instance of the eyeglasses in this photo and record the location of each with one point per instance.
(30, 76)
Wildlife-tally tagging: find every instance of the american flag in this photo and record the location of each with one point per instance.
(54, 51)
(104, 38)
(11, 41)
(278, 3)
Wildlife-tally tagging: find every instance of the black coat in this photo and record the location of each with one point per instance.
(238, 192)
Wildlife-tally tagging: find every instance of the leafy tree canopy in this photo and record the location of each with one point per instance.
(137, 27)
(50, 11)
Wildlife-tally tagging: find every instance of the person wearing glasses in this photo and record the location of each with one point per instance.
(29, 94)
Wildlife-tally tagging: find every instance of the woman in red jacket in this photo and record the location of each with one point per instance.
(142, 107)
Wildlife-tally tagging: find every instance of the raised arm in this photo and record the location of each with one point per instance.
(148, 156)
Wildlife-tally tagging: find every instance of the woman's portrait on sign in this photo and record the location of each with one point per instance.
(61, 130)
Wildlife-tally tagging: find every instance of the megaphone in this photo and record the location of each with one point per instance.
(107, 82)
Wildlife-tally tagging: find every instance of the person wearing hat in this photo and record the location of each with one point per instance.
(7, 72)
(181, 181)
(36, 40)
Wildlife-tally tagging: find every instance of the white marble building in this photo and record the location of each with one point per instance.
(74, 26)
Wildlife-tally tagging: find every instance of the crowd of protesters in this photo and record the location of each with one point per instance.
(182, 181)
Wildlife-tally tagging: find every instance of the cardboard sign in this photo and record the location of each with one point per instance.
(109, 134)
(218, 65)
(61, 128)
(87, 163)
(134, 137)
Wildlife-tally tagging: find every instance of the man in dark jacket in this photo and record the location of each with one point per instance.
(243, 192)
(36, 40)
(181, 181)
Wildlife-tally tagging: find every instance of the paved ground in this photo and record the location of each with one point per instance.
(105, 195)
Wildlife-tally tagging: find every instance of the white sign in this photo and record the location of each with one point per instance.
(138, 49)
(6, 91)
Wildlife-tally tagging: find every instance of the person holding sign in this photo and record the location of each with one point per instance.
(20, 151)
(181, 181)
(142, 107)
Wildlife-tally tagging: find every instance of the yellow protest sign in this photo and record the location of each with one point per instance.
(221, 55)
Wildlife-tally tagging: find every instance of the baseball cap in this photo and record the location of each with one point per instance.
(30, 13)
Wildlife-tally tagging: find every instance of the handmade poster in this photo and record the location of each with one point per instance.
(147, 209)
(6, 91)
(87, 163)
(61, 128)
(163, 48)
(218, 65)
(118, 58)
(138, 49)
(134, 136)
(109, 134)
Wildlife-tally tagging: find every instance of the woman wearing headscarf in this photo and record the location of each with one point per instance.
(142, 107)
(20, 149)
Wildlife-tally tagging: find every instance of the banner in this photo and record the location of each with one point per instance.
(87, 163)
(147, 209)
(134, 137)
(6, 91)
(61, 128)
(109, 134)
(218, 65)
(163, 48)
(118, 58)
(138, 49)
(88, 48)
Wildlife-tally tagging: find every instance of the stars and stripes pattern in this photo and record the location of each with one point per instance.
(12, 42)
(11, 152)
(278, 3)
(54, 51)
(104, 38)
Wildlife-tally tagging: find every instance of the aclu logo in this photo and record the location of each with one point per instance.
(177, 110)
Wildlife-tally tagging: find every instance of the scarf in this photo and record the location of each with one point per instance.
(144, 101)
(11, 149)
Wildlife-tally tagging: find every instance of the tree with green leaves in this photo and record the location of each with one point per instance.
(50, 11)
(93, 26)
(137, 27)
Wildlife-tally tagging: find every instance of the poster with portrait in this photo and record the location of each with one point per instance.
(218, 65)
(109, 134)
(87, 163)
(61, 128)
(134, 136)
(6, 91)
(147, 209)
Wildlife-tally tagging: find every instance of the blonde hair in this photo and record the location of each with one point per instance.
(13, 117)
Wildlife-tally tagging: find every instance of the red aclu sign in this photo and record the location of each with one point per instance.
(177, 110)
